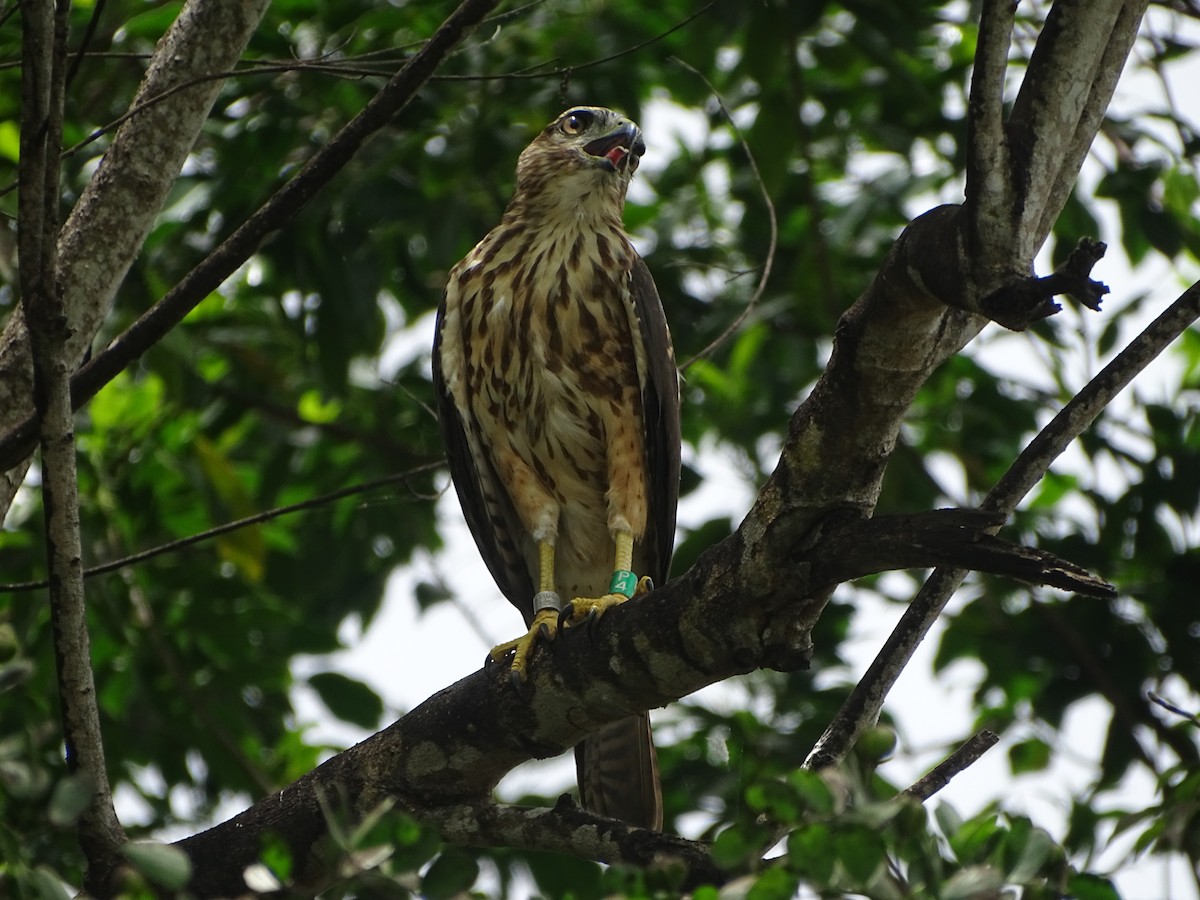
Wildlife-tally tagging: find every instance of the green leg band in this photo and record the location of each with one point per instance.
(623, 582)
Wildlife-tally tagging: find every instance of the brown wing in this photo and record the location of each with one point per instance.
(660, 404)
(490, 516)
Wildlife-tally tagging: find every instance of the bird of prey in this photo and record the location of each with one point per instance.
(558, 399)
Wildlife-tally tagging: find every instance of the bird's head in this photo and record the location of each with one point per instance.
(586, 153)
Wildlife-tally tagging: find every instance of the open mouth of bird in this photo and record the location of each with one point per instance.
(615, 149)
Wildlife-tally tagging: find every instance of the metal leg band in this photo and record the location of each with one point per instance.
(547, 600)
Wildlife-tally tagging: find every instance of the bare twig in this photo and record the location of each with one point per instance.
(941, 774)
(769, 261)
(44, 37)
(861, 709)
(81, 52)
(1193, 718)
(227, 527)
(285, 203)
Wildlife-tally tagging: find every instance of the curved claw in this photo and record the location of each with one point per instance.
(589, 610)
(544, 628)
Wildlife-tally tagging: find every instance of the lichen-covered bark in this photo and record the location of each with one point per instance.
(107, 226)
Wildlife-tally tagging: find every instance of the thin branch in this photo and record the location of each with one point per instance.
(44, 39)
(940, 775)
(78, 56)
(769, 261)
(862, 707)
(209, 534)
(1166, 704)
(280, 208)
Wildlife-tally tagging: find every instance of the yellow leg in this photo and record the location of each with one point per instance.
(545, 566)
(624, 542)
(624, 585)
(544, 626)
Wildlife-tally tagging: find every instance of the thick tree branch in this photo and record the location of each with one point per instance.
(989, 195)
(44, 28)
(862, 707)
(569, 829)
(108, 224)
(1045, 129)
(1072, 73)
(285, 203)
(454, 748)
(1019, 175)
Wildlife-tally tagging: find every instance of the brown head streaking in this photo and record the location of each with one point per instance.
(559, 404)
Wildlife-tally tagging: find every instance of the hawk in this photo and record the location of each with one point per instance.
(558, 399)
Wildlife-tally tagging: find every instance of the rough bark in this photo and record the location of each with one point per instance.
(43, 70)
(109, 223)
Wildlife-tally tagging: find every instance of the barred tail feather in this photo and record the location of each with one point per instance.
(617, 770)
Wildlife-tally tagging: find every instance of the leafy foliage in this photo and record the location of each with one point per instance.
(307, 373)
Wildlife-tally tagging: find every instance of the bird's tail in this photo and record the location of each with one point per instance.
(617, 770)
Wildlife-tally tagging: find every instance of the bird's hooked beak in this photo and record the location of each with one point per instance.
(622, 147)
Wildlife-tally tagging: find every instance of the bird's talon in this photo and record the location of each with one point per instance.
(644, 586)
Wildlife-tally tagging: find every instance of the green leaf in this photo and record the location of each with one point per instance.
(774, 884)
(348, 699)
(70, 798)
(861, 852)
(811, 853)
(947, 819)
(1086, 886)
(276, 855)
(10, 140)
(1031, 755)
(974, 840)
(453, 872)
(972, 882)
(813, 789)
(1036, 849)
(731, 848)
(47, 885)
(775, 799)
(166, 866)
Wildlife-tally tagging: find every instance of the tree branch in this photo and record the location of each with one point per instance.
(862, 707)
(942, 774)
(112, 217)
(285, 203)
(226, 527)
(1072, 73)
(569, 829)
(455, 747)
(44, 40)
(989, 195)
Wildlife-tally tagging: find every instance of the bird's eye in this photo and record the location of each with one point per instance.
(575, 123)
